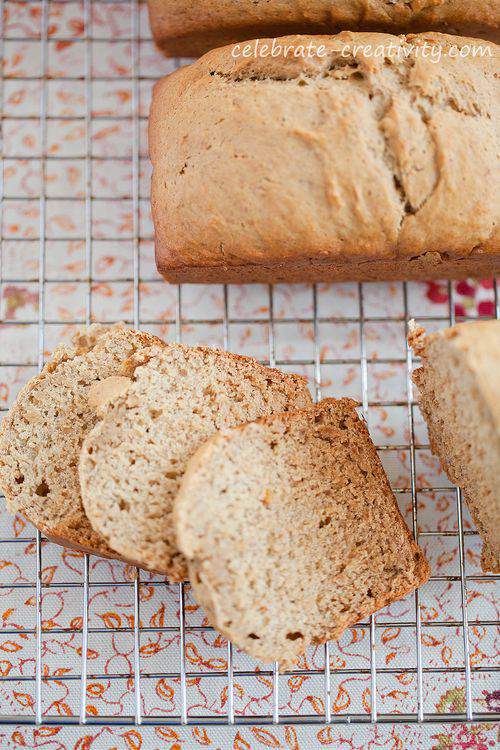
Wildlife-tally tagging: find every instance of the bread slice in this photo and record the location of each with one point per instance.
(459, 391)
(41, 437)
(133, 460)
(291, 531)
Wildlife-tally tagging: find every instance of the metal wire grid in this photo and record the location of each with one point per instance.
(361, 319)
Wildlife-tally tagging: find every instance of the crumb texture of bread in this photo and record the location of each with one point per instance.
(342, 164)
(459, 396)
(182, 28)
(291, 531)
(41, 436)
(133, 460)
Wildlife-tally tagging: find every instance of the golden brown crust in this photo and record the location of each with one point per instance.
(335, 165)
(425, 268)
(287, 379)
(183, 29)
(87, 547)
(489, 562)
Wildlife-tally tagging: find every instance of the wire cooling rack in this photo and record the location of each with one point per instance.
(60, 60)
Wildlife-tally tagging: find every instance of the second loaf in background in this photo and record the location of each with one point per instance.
(183, 28)
(341, 164)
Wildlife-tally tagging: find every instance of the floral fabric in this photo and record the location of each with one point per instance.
(69, 188)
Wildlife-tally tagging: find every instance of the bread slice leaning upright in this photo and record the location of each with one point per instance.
(41, 436)
(291, 531)
(459, 396)
(132, 462)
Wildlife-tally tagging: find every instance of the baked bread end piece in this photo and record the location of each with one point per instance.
(459, 396)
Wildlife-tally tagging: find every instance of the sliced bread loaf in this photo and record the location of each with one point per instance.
(133, 460)
(459, 396)
(291, 531)
(41, 437)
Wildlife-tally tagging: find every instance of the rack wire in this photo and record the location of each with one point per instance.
(183, 676)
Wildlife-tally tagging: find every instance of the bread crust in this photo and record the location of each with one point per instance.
(461, 406)
(335, 166)
(182, 29)
(423, 268)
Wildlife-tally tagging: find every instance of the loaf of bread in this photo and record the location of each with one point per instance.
(341, 165)
(41, 436)
(182, 28)
(459, 395)
(133, 460)
(291, 531)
